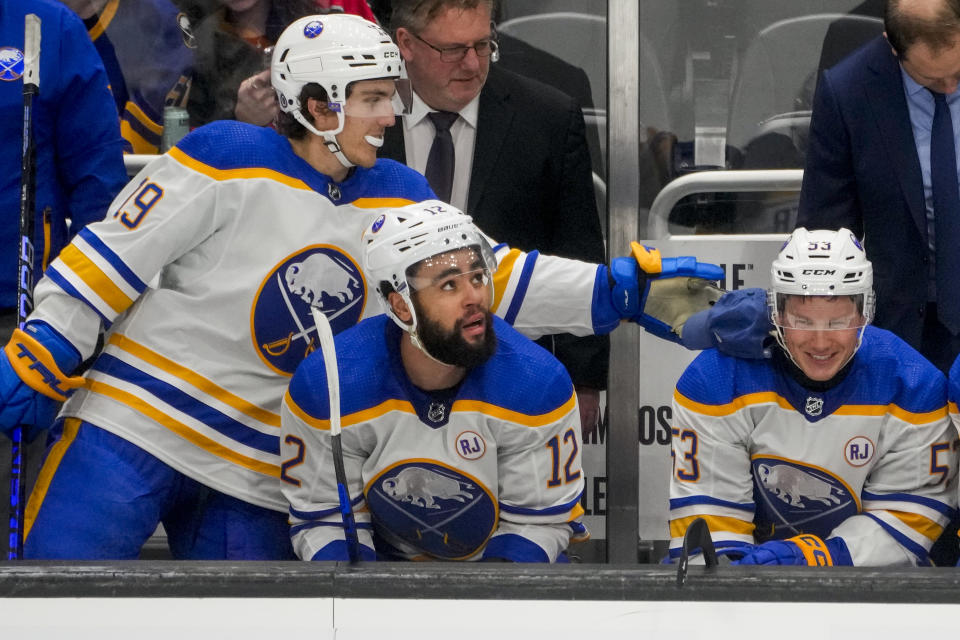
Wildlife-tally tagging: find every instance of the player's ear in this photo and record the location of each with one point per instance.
(323, 118)
(399, 307)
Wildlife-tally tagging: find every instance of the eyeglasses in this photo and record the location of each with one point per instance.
(483, 49)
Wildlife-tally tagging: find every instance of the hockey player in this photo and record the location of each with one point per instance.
(838, 450)
(461, 436)
(148, 63)
(204, 273)
(242, 230)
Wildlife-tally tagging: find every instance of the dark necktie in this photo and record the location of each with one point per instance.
(440, 162)
(946, 214)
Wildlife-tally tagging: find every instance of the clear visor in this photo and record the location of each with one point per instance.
(819, 313)
(378, 99)
(450, 280)
(471, 265)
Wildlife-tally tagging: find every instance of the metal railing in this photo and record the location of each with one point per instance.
(715, 182)
(477, 580)
(623, 189)
(134, 162)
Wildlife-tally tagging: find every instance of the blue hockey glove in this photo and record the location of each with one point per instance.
(802, 550)
(738, 325)
(661, 293)
(32, 382)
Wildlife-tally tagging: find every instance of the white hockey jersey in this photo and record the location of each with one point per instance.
(239, 237)
(872, 460)
(495, 464)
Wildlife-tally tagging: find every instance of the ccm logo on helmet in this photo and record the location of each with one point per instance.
(818, 272)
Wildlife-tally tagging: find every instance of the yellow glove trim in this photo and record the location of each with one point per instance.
(37, 368)
(814, 550)
(648, 259)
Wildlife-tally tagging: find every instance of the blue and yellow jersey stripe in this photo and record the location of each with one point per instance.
(718, 525)
(142, 132)
(183, 430)
(193, 407)
(771, 397)
(570, 511)
(462, 406)
(70, 428)
(380, 203)
(502, 277)
(89, 270)
(104, 19)
(359, 417)
(195, 380)
(515, 417)
(511, 281)
(240, 173)
(267, 156)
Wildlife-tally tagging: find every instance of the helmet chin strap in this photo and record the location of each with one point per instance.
(329, 136)
(415, 339)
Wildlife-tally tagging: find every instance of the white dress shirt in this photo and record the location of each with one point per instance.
(418, 133)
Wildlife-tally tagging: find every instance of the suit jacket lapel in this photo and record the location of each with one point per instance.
(493, 121)
(892, 116)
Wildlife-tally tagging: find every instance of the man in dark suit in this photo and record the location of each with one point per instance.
(530, 62)
(868, 166)
(522, 165)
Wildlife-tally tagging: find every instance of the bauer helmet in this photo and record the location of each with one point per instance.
(401, 240)
(821, 263)
(333, 51)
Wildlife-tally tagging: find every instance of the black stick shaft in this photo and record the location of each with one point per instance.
(31, 87)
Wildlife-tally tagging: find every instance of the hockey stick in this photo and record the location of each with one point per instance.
(696, 537)
(31, 87)
(333, 388)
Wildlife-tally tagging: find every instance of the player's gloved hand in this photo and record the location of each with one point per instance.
(672, 301)
(738, 325)
(802, 550)
(660, 294)
(732, 554)
(32, 378)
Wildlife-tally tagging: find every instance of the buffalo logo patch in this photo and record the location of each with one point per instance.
(321, 277)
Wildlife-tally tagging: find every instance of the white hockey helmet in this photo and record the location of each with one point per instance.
(333, 51)
(403, 238)
(821, 263)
